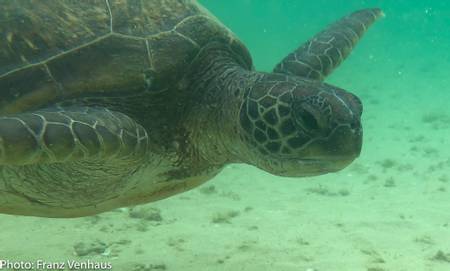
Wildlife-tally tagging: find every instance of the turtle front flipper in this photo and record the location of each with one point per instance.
(68, 162)
(318, 57)
(70, 134)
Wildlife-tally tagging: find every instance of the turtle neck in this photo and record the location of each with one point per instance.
(220, 78)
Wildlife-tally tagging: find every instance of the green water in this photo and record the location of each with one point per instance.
(388, 211)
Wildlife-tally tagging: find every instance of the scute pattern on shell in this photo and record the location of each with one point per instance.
(36, 30)
(57, 50)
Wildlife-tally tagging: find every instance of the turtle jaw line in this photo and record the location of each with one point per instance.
(326, 160)
(305, 167)
(302, 169)
(324, 165)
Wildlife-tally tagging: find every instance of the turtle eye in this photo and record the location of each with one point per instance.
(306, 119)
(310, 115)
(309, 120)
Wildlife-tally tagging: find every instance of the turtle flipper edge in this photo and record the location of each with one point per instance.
(320, 55)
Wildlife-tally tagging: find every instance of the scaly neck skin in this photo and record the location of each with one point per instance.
(219, 81)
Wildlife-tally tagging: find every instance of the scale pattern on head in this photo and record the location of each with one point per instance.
(282, 115)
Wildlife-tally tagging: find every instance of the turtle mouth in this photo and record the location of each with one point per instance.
(306, 167)
(325, 165)
(325, 160)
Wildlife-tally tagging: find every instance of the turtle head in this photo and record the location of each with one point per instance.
(298, 127)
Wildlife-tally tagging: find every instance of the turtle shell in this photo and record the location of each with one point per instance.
(58, 50)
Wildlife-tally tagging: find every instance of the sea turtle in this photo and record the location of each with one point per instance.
(111, 103)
